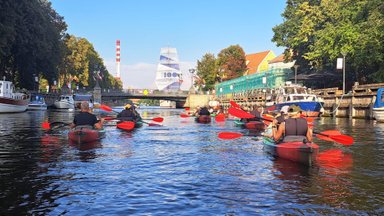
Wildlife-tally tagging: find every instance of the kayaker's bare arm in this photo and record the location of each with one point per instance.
(99, 125)
(278, 132)
(309, 134)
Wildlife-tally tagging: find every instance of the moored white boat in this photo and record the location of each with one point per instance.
(65, 102)
(297, 95)
(378, 107)
(11, 101)
(78, 98)
(37, 103)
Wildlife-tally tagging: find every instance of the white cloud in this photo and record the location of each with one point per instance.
(142, 75)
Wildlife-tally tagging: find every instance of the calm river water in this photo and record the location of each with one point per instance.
(182, 168)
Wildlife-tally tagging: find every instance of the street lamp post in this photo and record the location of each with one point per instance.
(344, 54)
(295, 66)
(36, 82)
(192, 71)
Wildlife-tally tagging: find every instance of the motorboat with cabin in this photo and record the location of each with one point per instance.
(11, 101)
(378, 107)
(78, 98)
(37, 102)
(65, 102)
(294, 94)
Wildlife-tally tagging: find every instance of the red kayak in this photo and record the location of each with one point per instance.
(304, 153)
(85, 134)
(254, 125)
(203, 119)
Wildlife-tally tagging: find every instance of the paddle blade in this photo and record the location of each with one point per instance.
(183, 115)
(239, 113)
(187, 108)
(220, 117)
(158, 119)
(325, 135)
(46, 125)
(267, 119)
(128, 125)
(105, 108)
(234, 104)
(342, 139)
(336, 136)
(229, 135)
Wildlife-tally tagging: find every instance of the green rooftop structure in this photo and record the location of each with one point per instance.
(274, 78)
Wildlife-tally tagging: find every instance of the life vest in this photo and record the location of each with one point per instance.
(295, 129)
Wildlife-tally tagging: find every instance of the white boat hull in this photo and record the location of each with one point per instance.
(11, 108)
(37, 107)
(64, 105)
(378, 113)
(11, 101)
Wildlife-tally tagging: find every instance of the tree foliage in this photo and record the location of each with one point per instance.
(31, 33)
(231, 62)
(83, 65)
(207, 70)
(317, 32)
(33, 42)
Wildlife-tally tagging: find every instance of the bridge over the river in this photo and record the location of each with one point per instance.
(178, 96)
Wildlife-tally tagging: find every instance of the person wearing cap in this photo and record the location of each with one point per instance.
(204, 111)
(86, 118)
(129, 113)
(294, 128)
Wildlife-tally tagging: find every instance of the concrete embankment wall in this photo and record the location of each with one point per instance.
(194, 100)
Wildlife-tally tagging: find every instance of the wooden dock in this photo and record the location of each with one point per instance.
(358, 103)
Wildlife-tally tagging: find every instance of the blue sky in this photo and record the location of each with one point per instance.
(194, 27)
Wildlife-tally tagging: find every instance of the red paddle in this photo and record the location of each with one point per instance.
(106, 108)
(183, 115)
(128, 125)
(156, 119)
(50, 126)
(220, 117)
(234, 104)
(187, 108)
(229, 135)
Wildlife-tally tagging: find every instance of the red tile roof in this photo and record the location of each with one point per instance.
(254, 60)
(279, 58)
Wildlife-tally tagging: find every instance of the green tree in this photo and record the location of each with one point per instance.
(83, 65)
(207, 70)
(31, 39)
(231, 62)
(315, 33)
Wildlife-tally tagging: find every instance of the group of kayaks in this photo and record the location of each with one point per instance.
(299, 151)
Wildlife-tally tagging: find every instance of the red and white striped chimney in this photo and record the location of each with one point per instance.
(118, 59)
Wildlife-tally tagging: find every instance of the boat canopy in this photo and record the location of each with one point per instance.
(78, 97)
(379, 99)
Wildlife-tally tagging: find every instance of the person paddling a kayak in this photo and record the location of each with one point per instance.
(85, 117)
(129, 113)
(293, 128)
(257, 111)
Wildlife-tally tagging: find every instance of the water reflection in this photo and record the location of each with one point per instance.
(183, 168)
